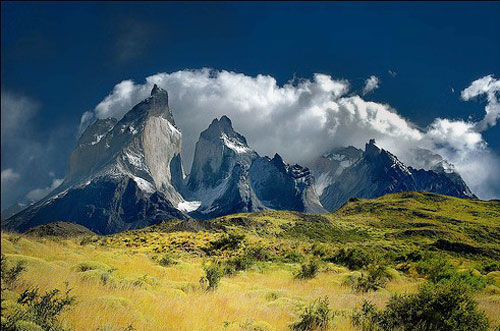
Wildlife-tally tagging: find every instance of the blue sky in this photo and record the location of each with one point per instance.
(62, 59)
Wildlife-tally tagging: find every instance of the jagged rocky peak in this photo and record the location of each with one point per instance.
(278, 162)
(155, 105)
(221, 130)
(379, 172)
(158, 90)
(216, 153)
(371, 148)
(122, 174)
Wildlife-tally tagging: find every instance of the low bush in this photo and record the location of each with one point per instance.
(316, 316)
(10, 273)
(93, 265)
(353, 258)
(212, 277)
(308, 270)
(231, 241)
(167, 260)
(439, 270)
(239, 263)
(434, 307)
(292, 257)
(374, 279)
(39, 311)
(489, 267)
(259, 253)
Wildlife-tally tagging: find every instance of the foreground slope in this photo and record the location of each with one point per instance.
(149, 278)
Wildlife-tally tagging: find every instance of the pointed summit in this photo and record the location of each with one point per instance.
(277, 160)
(225, 121)
(220, 128)
(157, 90)
(371, 148)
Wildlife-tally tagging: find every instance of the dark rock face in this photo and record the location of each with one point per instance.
(379, 172)
(105, 205)
(281, 186)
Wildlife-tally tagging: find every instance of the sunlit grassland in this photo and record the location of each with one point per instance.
(118, 281)
(267, 295)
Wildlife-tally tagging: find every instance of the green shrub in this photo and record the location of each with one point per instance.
(231, 241)
(440, 270)
(36, 311)
(413, 256)
(319, 250)
(293, 257)
(10, 274)
(45, 308)
(353, 258)
(316, 316)
(492, 266)
(434, 307)
(167, 260)
(93, 265)
(27, 326)
(240, 262)
(308, 270)
(373, 280)
(259, 253)
(366, 318)
(212, 277)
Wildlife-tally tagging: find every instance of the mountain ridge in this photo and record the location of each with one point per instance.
(128, 173)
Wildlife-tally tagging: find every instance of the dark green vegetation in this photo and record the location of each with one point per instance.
(435, 307)
(316, 316)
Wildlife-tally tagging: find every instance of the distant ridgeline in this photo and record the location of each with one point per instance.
(128, 174)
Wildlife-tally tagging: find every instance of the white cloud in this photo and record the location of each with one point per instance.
(392, 73)
(39, 193)
(9, 175)
(306, 117)
(372, 83)
(490, 87)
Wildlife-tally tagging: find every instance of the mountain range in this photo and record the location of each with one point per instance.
(127, 174)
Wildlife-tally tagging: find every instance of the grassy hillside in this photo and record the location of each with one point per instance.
(271, 266)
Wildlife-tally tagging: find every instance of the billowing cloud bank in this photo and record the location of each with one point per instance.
(304, 118)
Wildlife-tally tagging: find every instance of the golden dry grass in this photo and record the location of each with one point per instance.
(266, 297)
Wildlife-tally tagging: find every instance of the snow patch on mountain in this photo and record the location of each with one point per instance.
(144, 185)
(235, 145)
(188, 206)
